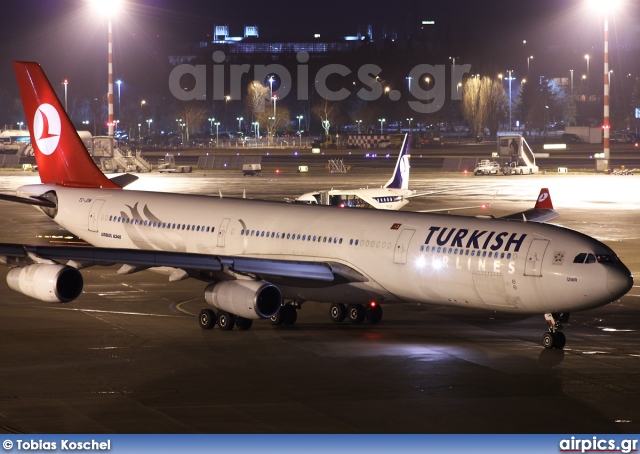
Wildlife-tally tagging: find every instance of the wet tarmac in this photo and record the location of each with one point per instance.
(128, 355)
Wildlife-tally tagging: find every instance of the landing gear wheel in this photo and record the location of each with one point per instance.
(226, 320)
(548, 340)
(243, 324)
(374, 313)
(207, 319)
(356, 313)
(277, 319)
(289, 315)
(337, 312)
(555, 338)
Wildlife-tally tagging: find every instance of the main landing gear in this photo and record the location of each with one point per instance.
(287, 315)
(226, 321)
(555, 338)
(356, 313)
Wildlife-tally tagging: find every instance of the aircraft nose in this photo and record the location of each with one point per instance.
(619, 281)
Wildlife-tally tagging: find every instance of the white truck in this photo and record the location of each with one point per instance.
(487, 167)
(251, 169)
(168, 165)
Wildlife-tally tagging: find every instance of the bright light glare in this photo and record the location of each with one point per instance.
(604, 5)
(106, 7)
(420, 262)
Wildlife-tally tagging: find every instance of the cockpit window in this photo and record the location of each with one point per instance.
(584, 257)
(605, 259)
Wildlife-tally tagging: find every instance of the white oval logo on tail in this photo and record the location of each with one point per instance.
(46, 128)
(544, 196)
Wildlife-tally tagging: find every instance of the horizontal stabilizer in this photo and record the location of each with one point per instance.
(28, 201)
(124, 180)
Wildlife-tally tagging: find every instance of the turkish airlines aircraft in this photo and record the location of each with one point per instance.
(392, 196)
(264, 259)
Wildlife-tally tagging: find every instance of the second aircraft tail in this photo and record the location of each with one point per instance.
(400, 177)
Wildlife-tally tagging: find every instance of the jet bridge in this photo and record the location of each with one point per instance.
(522, 161)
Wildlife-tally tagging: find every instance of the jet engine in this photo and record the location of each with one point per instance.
(245, 298)
(45, 282)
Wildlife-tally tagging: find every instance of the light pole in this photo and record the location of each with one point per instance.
(272, 132)
(139, 133)
(604, 7)
(211, 120)
(149, 121)
(587, 57)
(217, 123)
(358, 125)
(226, 102)
(275, 98)
(119, 82)
(529, 63)
(510, 71)
(239, 123)
(66, 84)
(546, 125)
(409, 79)
(299, 117)
(20, 123)
(108, 8)
(381, 120)
(271, 80)
(256, 129)
(571, 71)
(453, 74)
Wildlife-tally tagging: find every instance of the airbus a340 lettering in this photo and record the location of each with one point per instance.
(263, 259)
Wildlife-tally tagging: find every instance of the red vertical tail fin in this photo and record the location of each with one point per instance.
(544, 199)
(60, 154)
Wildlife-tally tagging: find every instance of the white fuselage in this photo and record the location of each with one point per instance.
(507, 266)
(378, 198)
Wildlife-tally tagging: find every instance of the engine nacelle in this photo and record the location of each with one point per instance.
(49, 283)
(248, 299)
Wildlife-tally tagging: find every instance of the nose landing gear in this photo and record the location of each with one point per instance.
(555, 338)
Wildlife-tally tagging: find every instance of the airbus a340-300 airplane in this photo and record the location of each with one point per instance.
(255, 255)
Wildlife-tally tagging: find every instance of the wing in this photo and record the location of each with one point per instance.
(196, 265)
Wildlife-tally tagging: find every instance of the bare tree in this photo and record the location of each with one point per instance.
(255, 101)
(267, 121)
(191, 114)
(484, 103)
(495, 104)
(472, 103)
(327, 112)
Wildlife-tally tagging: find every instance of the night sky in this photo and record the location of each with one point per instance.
(69, 40)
